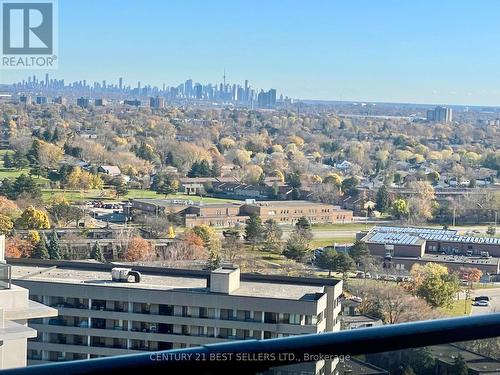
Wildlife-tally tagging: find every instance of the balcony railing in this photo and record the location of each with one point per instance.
(280, 351)
(5, 276)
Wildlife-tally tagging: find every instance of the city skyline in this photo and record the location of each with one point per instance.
(331, 51)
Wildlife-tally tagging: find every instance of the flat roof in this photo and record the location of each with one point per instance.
(393, 238)
(185, 202)
(279, 289)
(435, 234)
(413, 230)
(292, 203)
(478, 261)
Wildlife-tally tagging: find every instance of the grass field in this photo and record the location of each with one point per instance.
(341, 227)
(459, 308)
(330, 241)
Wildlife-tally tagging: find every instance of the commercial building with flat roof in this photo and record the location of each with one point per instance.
(168, 308)
(410, 245)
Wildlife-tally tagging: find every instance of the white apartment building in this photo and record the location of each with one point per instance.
(167, 308)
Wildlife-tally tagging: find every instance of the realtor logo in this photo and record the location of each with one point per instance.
(28, 34)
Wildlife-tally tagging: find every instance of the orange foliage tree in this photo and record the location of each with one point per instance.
(138, 249)
(16, 247)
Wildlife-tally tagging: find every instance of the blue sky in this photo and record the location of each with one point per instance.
(425, 51)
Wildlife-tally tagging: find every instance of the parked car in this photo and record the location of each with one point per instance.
(482, 303)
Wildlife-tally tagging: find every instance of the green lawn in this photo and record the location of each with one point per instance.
(342, 227)
(330, 241)
(459, 308)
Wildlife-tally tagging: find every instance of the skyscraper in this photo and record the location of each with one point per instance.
(188, 88)
(120, 83)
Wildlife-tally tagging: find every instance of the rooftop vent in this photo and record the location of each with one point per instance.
(123, 274)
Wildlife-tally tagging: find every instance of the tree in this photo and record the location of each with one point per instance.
(138, 249)
(231, 245)
(303, 223)
(296, 247)
(459, 366)
(53, 246)
(491, 231)
(121, 187)
(31, 218)
(171, 232)
(253, 230)
(343, 263)
(435, 285)
(96, 252)
(422, 201)
(382, 200)
(40, 250)
(6, 224)
(349, 186)
(163, 183)
(200, 169)
(359, 251)
(8, 160)
(399, 209)
(16, 247)
(327, 260)
(205, 233)
(272, 236)
(62, 213)
(216, 169)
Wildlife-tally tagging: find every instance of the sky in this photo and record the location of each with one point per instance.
(425, 51)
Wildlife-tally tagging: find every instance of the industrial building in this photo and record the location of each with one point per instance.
(409, 245)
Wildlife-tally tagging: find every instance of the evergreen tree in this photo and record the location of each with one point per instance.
(254, 230)
(327, 260)
(382, 200)
(303, 223)
(216, 168)
(8, 160)
(53, 246)
(358, 251)
(40, 250)
(96, 252)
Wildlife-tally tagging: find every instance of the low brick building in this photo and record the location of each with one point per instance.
(290, 211)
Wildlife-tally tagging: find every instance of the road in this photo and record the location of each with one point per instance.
(494, 294)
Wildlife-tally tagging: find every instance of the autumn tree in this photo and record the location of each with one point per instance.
(6, 224)
(32, 218)
(16, 247)
(422, 202)
(138, 249)
(434, 284)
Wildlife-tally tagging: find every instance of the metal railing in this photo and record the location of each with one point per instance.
(5, 276)
(252, 356)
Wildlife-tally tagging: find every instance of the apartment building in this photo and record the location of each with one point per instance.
(168, 308)
(15, 310)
